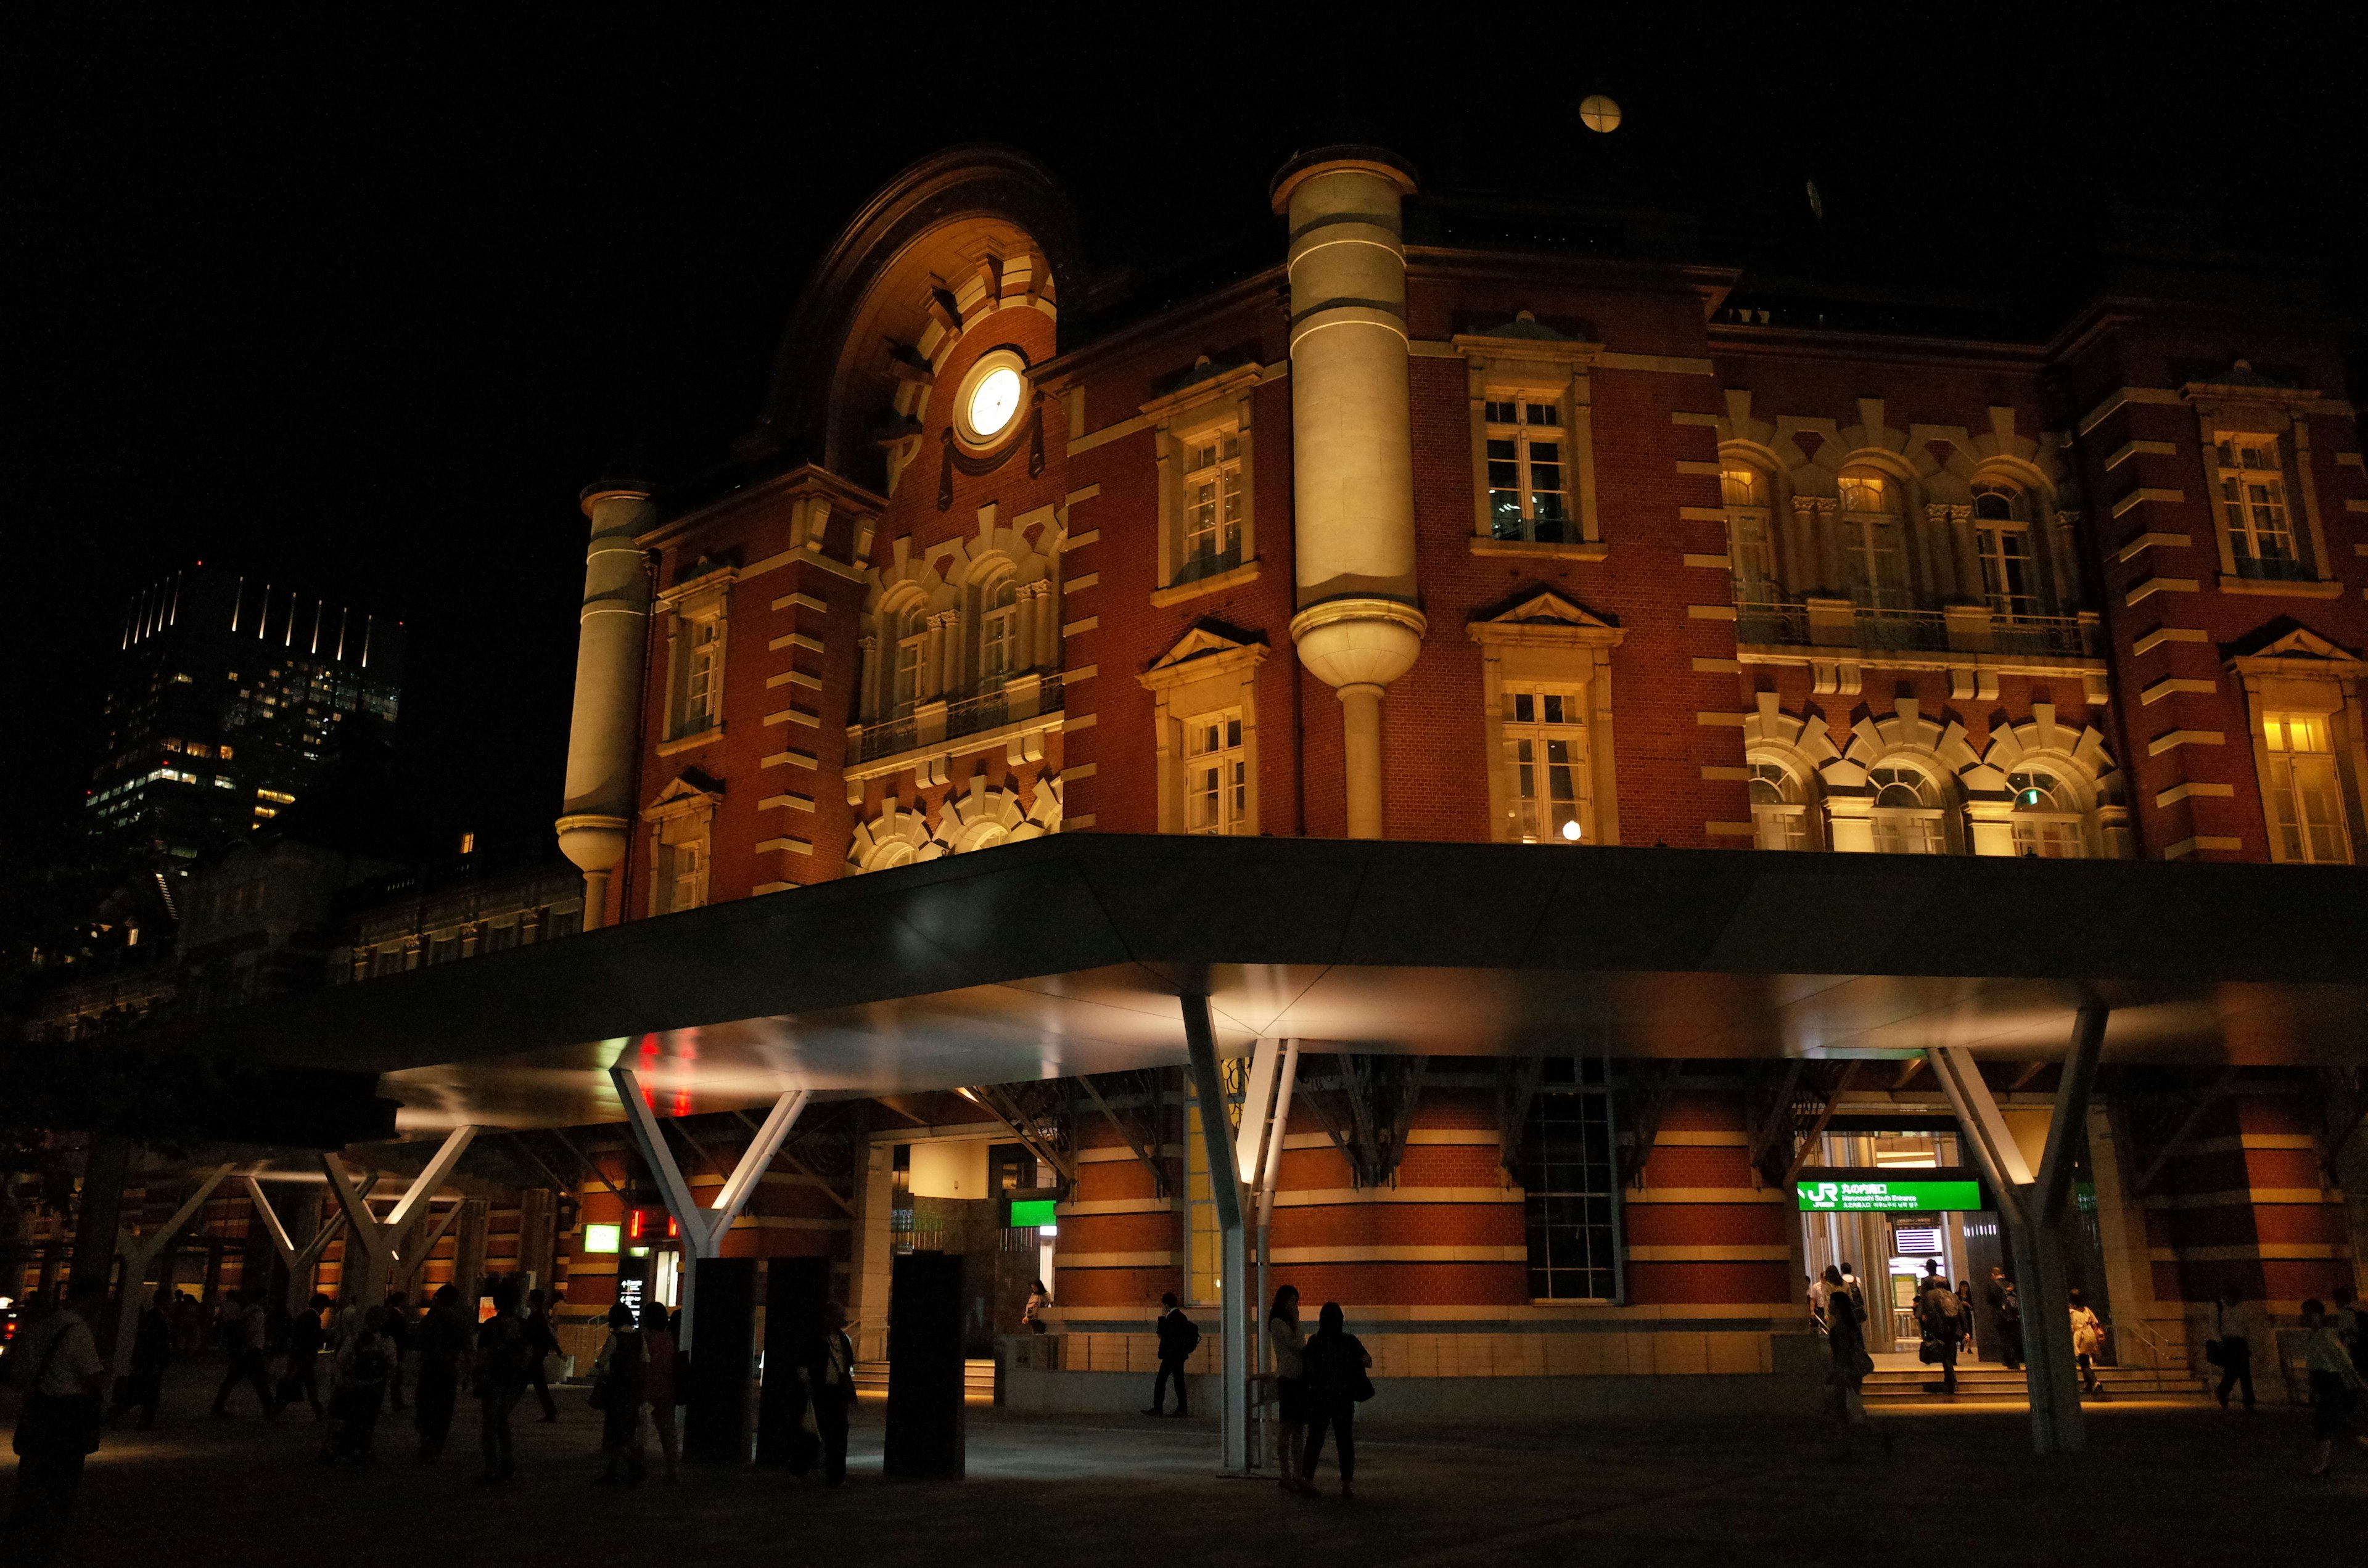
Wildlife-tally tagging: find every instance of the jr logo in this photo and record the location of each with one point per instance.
(1826, 1194)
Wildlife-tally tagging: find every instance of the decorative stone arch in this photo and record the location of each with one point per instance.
(1903, 737)
(897, 836)
(987, 814)
(2077, 759)
(1801, 747)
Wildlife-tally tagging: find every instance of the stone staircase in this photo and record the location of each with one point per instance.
(1986, 1382)
(978, 1381)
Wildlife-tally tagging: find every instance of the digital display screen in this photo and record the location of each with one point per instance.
(1858, 1195)
(603, 1238)
(1038, 1212)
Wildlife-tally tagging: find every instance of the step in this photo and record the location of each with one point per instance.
(978, 1380)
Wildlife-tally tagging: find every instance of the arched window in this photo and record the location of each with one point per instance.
(895, 852)
(1907, 812)
(1751, 534)
(1874, 543)
(1780, 817)
(912, 638)
(2002, 539)
(2046, 816)
(999, 641)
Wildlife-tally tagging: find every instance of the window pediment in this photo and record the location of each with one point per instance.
(689, 792)
(1546, 617)
(2295, 651)
(1203, 651)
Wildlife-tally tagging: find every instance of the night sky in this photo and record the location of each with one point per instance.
(362, 311)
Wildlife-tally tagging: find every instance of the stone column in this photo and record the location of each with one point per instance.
(604, 738)
(1357, 627)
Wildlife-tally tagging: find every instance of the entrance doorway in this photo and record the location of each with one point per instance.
(1890, 1253)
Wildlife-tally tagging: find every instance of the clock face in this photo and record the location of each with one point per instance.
(993, 401)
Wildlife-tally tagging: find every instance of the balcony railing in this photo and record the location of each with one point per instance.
(1209, 563)
(1888, 628)
(969, 716)
(2053, 636)
(2272, 569)
(1775, 625)
(1783, 625)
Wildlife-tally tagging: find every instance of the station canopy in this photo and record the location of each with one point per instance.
(1067, 954)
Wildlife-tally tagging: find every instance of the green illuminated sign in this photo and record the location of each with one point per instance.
(1888, 1196)
(1032, 1212)
(602, 1238)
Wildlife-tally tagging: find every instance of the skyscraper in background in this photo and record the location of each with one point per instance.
(230, 691)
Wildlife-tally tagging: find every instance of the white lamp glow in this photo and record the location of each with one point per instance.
(994, 400)
(1570, 831)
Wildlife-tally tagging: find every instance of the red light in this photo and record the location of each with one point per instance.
(682, 1102)
(633, 1228)
(674, 1227)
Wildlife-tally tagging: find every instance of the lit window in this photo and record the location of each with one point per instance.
(1779, 818)
(1216, 774)
(2002, 539)
(1212, 506)
(1906, 814)
(702, 675)
(1871, 541)
(2046, 817)
(1751, 533)
(1529, 488)
(1546, 762)
(997, 636)
(2306, 796)
(910, 647)
(2253, 506)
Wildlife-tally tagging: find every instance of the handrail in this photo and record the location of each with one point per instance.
(2156, 1350)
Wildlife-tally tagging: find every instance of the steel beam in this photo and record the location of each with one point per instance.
(1225, 1189)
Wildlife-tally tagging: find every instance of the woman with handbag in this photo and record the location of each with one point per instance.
(1337, 1383)
(1292, 1413)
(619, 1384)
(2088, 1344)
(57, 1426)
(1846, 1344)
(2231, 1337)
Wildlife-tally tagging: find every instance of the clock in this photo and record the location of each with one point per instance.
(987, 404)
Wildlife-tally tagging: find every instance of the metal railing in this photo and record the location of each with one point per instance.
(1882, 627)
(970, 716)
(2272, 569)
(2056, 636)
(1776, 625)
(1208, 563)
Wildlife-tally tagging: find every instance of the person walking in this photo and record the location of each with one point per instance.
(306, 1338)
(1337, 1382)
(244, 1337)
(364, 1367)
(1031, 1316)
(1178, 1337)
(541, 1344)
(2350, 1326)
(832, 1383)
(397, 1327)
(58, 1423)
(1965, 1315)
(499, 1380)
(619, 1386)
(2005, 1311)
(441, 1340)
(2087, 1343)
(1848, 1365)
(143, 1387)
(1290, 1343)
(2231, 1346)
(1943, 1330)
(2335, 1383)
(1850, 1283)
(663, 1383)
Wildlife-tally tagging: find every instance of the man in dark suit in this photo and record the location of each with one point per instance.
(1178, 1337)
(830, 1380)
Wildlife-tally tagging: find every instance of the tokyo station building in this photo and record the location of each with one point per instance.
(1540, 592)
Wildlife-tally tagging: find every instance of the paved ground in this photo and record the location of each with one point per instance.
(2160, 1484)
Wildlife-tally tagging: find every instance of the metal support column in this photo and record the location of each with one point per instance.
(702, 1229)
(1225, 1188)
(138, 1252)
(380, 1240)
(2031, 1208)
(299, 1259)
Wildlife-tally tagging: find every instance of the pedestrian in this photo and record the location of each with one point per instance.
(1178, 1337)
(1337, 1382)
(2005, 1311)
(499, 1380)
(1031, 1316)
(831, 1380)
(307, 1336)
(2350, 1326)
(441, 1341)
(1966, 1314)
(1850, 1283)
(245, 1330)
(662, 1386)
(1290, 1343)
(2087, 1343)
(1942, 1328)
(541, 1344)
(2335, 1383)
(2230, 1348)
(363, 1369)
(56, 1361)
(398, 1334)
(1848, 1365)
(618, 1385)
(142, 1387)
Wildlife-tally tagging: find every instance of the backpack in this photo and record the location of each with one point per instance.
(371, 1363)
(1951, 1307)
(1187, 1335)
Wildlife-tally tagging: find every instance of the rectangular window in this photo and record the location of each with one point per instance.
(1878, 567)
(703, 677)
(2306, 796)
(907, 691)
(1545, 763)
(1212, 506)
(1529, 487)
(2253, 506)
(2008, 578)
(1569, 1172)
(444, 948)
(1203, 1236)
(1216, 774)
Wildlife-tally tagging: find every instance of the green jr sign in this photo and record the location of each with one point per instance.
(1847, 1196)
